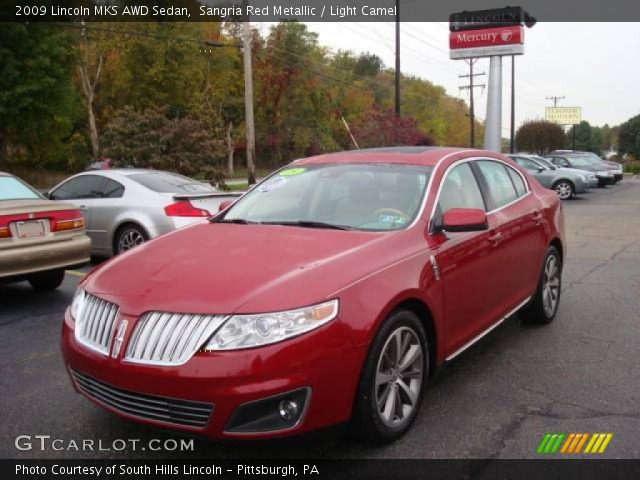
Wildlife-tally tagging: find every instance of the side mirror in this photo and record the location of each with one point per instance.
(464, 220)
(224, 205)
(540, 169)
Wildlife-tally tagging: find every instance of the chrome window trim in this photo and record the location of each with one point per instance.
(472, 159)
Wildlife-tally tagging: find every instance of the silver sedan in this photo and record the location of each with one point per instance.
(123, 208)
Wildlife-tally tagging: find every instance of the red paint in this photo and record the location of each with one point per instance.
(230, 268)
(464, 219)
(486, 37)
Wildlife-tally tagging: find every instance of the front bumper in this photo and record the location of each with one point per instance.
(321, 361)
(38, 257)
(605, 180)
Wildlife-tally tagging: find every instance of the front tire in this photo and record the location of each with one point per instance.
(543, 306)
(564, 189)
(392, 380)
(47, 280)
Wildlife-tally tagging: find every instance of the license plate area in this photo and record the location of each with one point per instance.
(31, 229)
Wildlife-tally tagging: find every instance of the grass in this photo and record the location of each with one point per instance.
(237, 187)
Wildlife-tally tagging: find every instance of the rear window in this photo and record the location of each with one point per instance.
(13, 189)
(164, 182)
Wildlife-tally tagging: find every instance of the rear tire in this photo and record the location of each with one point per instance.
(391, 385)
(129, 236)
(47, 280)
(543, 306)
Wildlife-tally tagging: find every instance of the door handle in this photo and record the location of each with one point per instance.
(495, 239)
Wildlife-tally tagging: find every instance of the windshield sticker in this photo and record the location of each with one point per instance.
(292, 171)
(272, 184)
(392, 219)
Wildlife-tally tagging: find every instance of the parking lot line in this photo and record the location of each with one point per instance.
(76, 273)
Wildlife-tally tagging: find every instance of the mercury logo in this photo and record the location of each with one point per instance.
(506, 35)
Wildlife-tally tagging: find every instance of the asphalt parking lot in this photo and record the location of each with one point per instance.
(579, 374)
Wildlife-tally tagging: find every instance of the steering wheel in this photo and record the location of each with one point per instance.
(393, 211)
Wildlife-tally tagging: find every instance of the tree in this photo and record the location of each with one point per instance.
(383, 128)
(588, 138)
(629, 137)
(38, 104)
(150, 139)
(539, 136)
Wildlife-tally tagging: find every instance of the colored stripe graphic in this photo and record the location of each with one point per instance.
(572, 443)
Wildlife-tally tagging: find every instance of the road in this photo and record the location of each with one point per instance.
(579, 374)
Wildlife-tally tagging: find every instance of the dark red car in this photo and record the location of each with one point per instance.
(329, 292)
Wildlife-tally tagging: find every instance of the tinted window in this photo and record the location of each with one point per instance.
(85, 186)
(460, 190)
(363, 196)
(517, 181)
(165, 182)
(526, 163)
(498, 181)
(112, 189)
(13, 189)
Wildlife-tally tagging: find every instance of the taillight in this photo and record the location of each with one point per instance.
(69, 224)
(184, 208)
(4, 227)
(63, 220)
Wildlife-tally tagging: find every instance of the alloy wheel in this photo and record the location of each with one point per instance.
(551, 285)
(399, 377)
(128, 239)
(564, 190)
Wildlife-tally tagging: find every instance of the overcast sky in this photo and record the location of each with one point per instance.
(595, 66)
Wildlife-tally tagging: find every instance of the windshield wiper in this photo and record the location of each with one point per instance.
(240, 221)
(308, 224)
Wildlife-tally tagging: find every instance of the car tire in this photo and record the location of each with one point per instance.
(564, 189)
(129, 236)
(47, 280)
(544, 304)
(389, 394)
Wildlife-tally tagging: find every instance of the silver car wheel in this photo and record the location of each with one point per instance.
(399, 377)
(564, 190)
(551, 286)
(129, 239)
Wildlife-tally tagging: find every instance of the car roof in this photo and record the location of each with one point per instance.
(408, 155)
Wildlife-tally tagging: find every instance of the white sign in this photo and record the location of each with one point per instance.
(516, 49)
(563, 115)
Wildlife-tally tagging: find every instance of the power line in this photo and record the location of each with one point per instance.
(555, 100)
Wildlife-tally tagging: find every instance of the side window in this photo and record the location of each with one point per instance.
(111, 189)
(460, 190)
(85, 186)
(499, 183)
(526, 163)
(517, 182)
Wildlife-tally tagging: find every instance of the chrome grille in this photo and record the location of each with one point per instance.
(170, 338)
(96, 323)
(151, 407)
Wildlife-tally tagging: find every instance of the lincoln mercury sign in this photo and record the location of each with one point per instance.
(564, 115)
(487, 42)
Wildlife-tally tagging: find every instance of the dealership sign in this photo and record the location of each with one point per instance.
(563, 115)
(496, 17)
(487, 42)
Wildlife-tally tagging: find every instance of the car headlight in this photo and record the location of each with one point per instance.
(77, 303)
(605, 173)
(246, 331)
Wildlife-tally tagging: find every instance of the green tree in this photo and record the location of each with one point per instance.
(38, 103)
(629, 137)
(588, 138)
(539, 136)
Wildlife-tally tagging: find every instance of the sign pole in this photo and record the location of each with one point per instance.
(493, 122)
(573, 147)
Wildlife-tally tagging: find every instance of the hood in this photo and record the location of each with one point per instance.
(612, 165)
(226, 268)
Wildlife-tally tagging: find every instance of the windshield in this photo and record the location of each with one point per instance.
(581, 161)
(165, 182)
(362, 196)
(13, 189)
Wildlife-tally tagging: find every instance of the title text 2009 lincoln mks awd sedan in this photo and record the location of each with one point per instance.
(328, 293)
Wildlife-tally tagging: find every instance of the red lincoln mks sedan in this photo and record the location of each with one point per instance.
(328, 293)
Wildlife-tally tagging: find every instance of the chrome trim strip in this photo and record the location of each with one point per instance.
(471, 159)
(486, 331)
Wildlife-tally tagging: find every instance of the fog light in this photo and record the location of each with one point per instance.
(288, 409)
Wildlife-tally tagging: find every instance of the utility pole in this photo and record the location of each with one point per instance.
(470, 87)
(512, 136)
(398, 58)
(555, 100)
(248, 101)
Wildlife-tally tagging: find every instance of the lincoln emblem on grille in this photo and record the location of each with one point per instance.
(119, 339)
